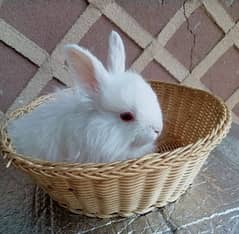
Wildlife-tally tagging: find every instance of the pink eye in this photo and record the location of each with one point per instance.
(127, 116)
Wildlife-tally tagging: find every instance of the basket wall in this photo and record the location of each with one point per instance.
(195, 122)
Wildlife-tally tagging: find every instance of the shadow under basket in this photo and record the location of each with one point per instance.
(194, 123)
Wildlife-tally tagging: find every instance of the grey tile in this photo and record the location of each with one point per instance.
(154, 71)
(100, 49)
(52, 86)
(222, 77)
(15, 73)
(211, 205)
(194, 39)
(159, 11)
(44, 22)
(217, 223)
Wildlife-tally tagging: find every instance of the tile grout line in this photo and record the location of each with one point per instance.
(33, 88)
(77, 31)
(23, 45)
(176, 21)
(233, 99)
(172, 226)
(167, 60)
(215, 9)
(127, 23)
(210, 59)
(206, 218)
(219, 14)
(235, 118)
(170, 63)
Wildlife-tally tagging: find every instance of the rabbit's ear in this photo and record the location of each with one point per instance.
(86, 67)
(116, 53)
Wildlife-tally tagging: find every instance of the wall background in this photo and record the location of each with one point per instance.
(190, 42)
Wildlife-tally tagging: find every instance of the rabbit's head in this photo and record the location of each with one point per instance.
(121, 100)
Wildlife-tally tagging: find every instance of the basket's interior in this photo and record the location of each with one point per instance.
(189, 115)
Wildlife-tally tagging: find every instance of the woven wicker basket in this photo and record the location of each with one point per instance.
(195, 122)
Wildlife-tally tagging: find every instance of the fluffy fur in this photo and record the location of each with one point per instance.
(84, 124)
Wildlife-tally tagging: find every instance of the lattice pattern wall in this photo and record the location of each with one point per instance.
(149, 49)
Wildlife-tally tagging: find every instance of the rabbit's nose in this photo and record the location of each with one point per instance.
(156, 131)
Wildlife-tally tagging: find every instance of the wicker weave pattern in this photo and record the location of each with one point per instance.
(195, 122)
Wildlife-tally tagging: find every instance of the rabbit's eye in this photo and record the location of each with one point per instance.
(126, 116)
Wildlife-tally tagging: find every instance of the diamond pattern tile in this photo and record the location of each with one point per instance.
(52, 86)
(15, 73)
(236, 109)
(199, 33)
(223, 78)
(235, 130)
(232, 8)
(97, 41)
(155, 71)
(44, 22)
(160, 12)
(215, 190)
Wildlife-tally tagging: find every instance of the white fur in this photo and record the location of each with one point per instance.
(84, 125)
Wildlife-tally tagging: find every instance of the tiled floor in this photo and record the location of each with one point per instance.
(194, 43)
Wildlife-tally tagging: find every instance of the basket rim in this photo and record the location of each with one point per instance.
(131, 166)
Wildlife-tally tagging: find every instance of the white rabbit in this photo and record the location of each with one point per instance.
(111, 115)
